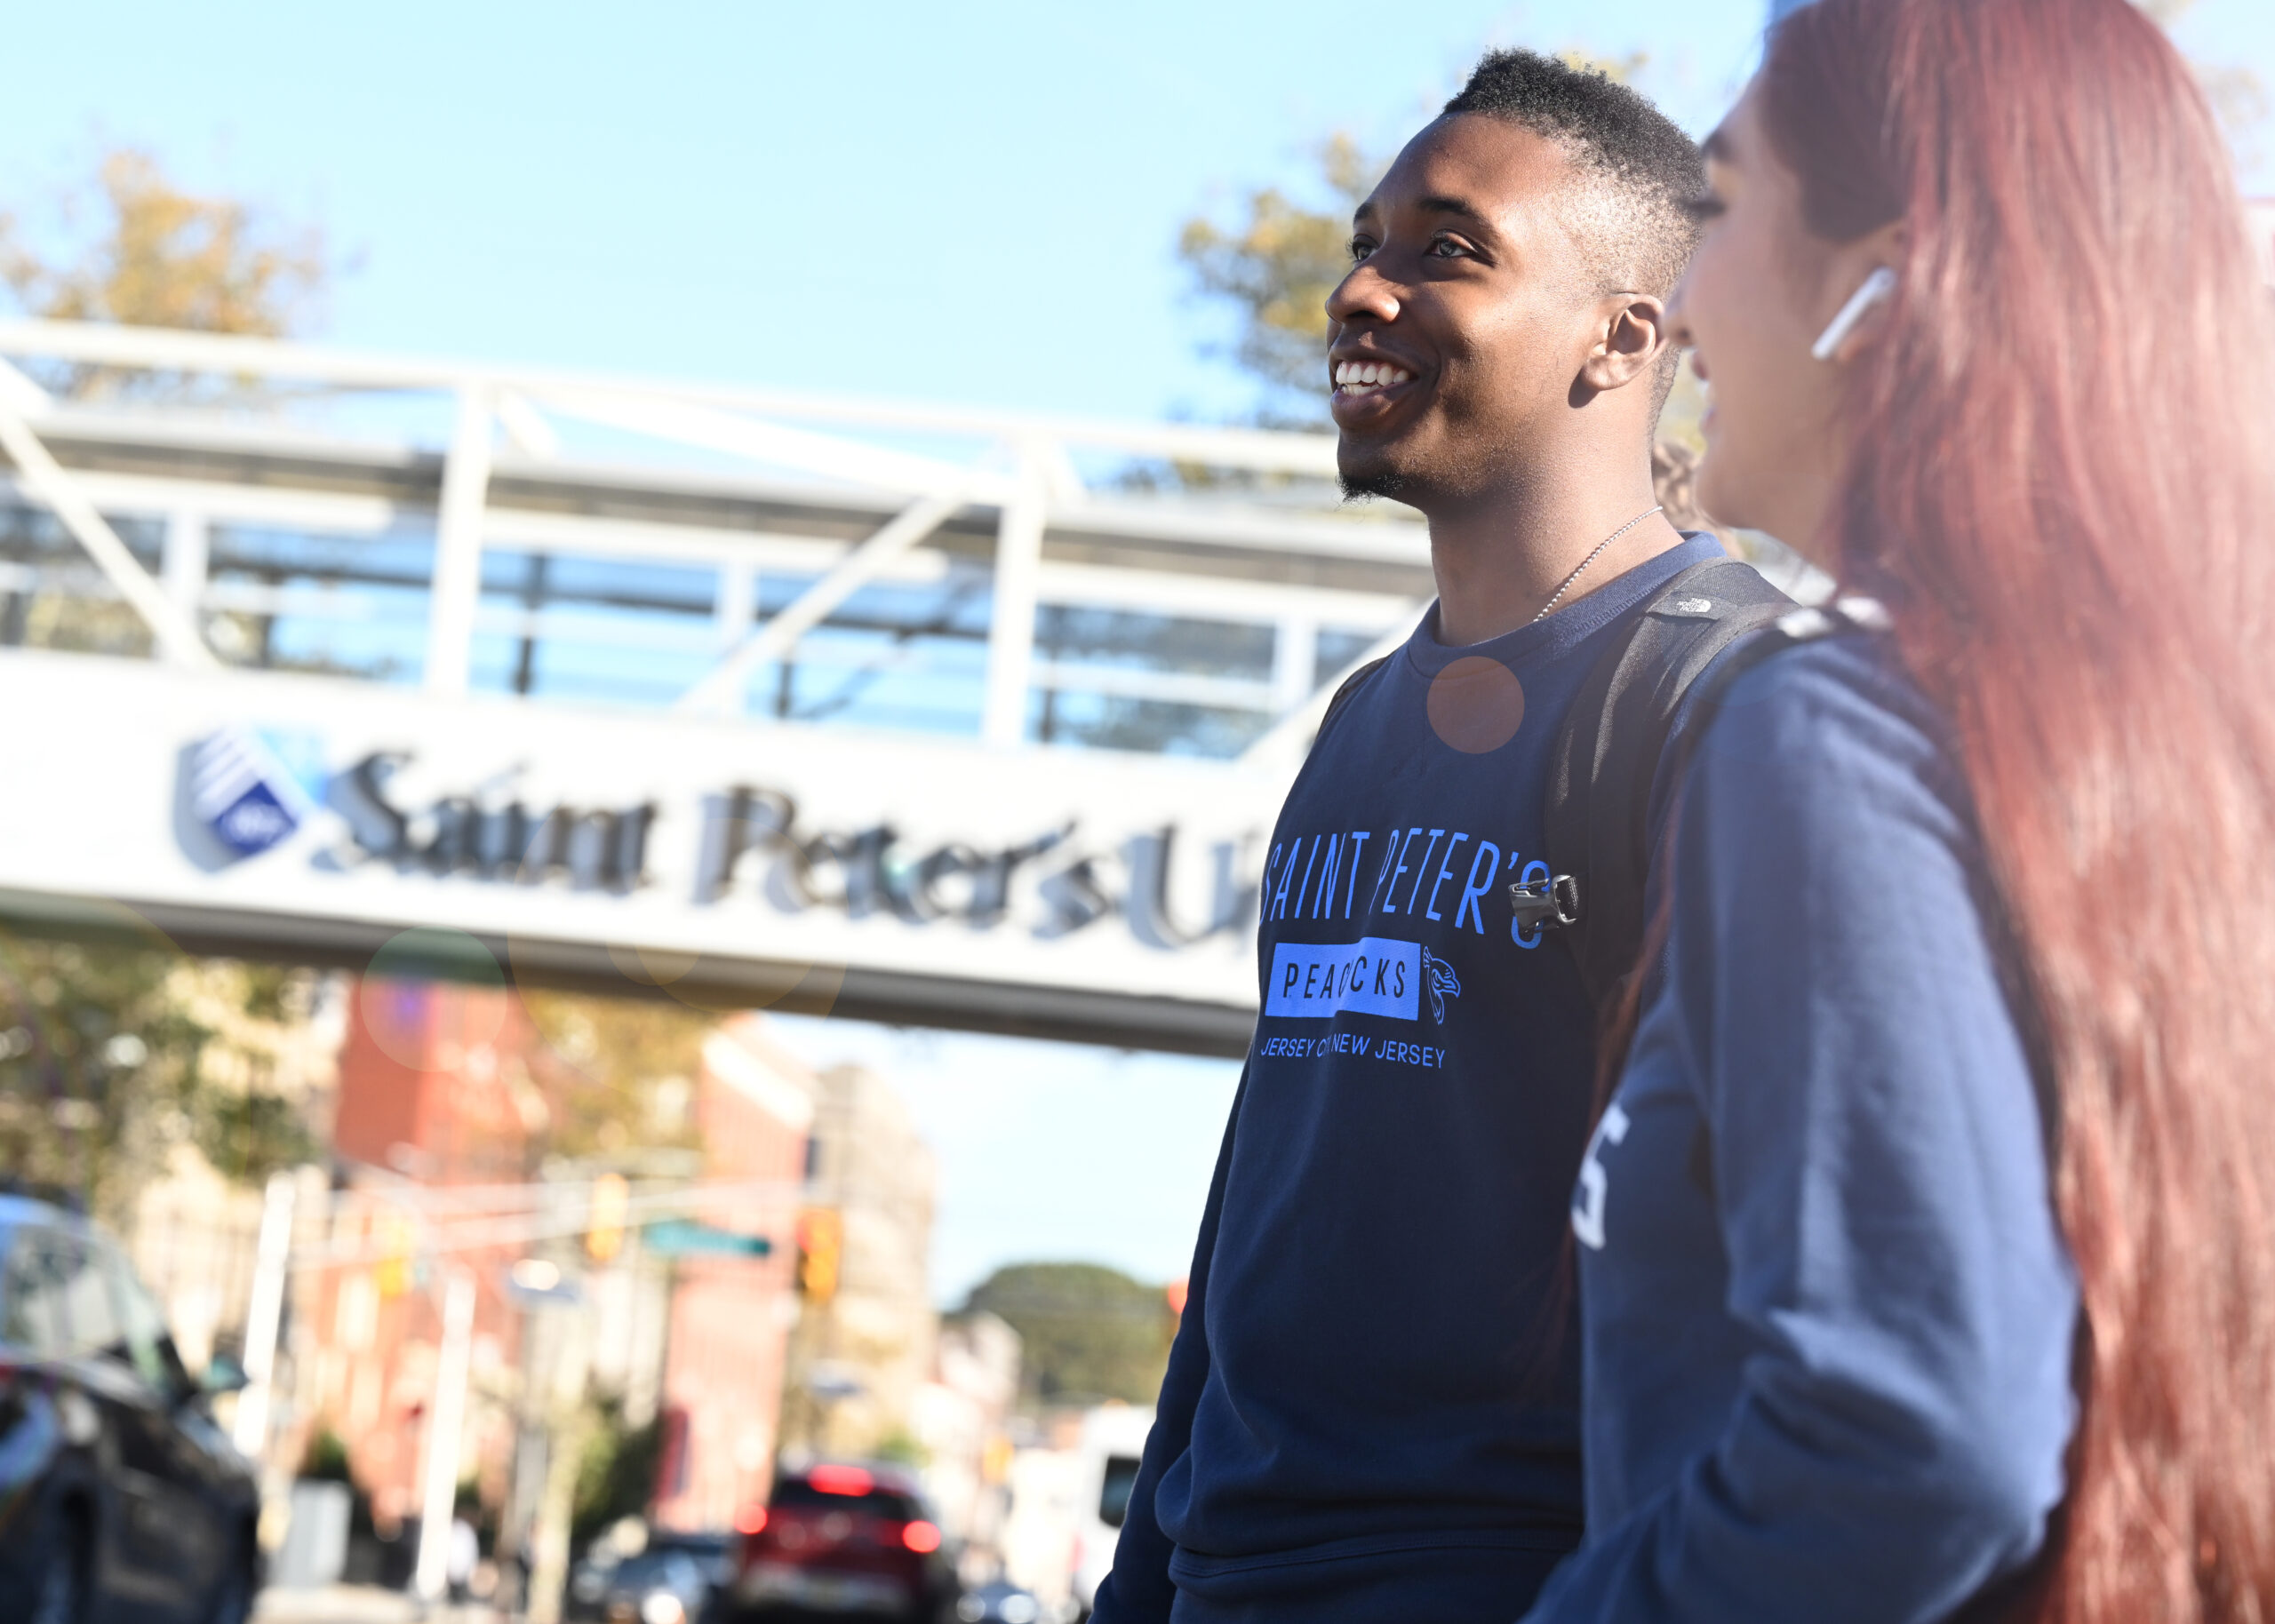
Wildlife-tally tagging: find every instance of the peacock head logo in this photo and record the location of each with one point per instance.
(1438, 976)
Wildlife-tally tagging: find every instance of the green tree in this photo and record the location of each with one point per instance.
(616, 1074)
(128, 244)
(158, 256)
(248, 1136)
(1274, 269)
(112, 1054)
(1089, 1333)
(124, 242)
(616, 1469)
(98, 1066)
(243, 1117)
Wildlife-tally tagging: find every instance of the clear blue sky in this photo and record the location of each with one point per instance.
(970, 203)
(973, 203)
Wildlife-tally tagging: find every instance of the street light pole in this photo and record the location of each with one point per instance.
(272, 1261)
(567, 1431)
(445, 1421)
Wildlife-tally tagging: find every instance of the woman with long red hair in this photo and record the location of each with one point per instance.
(1927, 1239)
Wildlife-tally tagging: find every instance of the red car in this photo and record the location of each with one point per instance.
(844, 1541)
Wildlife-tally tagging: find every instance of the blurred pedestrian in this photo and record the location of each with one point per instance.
(464, 1555)
(1927, 1239)
(1371, 1410)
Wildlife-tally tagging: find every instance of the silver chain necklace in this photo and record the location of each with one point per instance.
(1558, 596)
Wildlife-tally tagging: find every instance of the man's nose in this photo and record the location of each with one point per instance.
(1366, 291)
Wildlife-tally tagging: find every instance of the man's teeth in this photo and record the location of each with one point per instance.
(1366, 376)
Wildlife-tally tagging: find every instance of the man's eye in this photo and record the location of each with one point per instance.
(1448, 248)
(1360, 248)
(1704, 207)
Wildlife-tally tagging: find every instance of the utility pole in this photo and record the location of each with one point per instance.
(445, 1421)
(272, 1262)
(568, 1432)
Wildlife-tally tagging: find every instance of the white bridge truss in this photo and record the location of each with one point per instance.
(263, 515)
(1248, 540)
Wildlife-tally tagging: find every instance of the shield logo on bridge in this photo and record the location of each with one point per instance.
(253, 788)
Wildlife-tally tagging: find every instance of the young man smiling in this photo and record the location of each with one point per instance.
(1370, 1410)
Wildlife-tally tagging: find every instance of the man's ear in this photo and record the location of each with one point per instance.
(1632, 334)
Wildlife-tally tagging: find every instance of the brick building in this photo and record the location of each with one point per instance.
(731, 1318)
(434, 1097)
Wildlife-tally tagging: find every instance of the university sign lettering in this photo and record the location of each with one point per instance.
(1082, 894)
(746, 829)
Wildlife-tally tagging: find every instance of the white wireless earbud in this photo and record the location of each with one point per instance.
(1877, 287)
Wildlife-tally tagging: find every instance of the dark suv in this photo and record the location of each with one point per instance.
(119, 1497)
(844, 1541)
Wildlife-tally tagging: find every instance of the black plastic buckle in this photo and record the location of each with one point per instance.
(1548, 904)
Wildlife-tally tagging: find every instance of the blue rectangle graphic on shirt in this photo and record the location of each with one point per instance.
(1374, 975)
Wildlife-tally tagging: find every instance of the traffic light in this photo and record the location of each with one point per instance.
(392, 1272)
(611, 1207)
(821, 1247)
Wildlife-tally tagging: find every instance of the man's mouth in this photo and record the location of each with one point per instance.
(1355, 379)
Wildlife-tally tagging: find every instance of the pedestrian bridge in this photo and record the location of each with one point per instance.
(741, 698)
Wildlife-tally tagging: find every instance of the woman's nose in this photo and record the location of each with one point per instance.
(1678, 332)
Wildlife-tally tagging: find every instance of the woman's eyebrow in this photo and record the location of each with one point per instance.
(1717, 148)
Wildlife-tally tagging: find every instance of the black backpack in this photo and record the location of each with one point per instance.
(1607, 755)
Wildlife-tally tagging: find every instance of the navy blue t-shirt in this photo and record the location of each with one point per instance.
(1827, 1312)
(1371, 1408)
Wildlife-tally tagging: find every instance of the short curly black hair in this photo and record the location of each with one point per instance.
(1652, 170)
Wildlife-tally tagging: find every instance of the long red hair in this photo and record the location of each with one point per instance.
(2061, 485)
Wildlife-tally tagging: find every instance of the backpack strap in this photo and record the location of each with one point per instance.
(1350, 686)
(1607, 758)
(1757, 641)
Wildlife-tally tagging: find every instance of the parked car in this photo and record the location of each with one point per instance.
(119, 1497)
(838, 1540)
(713, 1549)
(657, 1586)
(682, 1569)
(1002, 1603)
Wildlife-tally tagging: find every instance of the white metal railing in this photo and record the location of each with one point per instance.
(1260, 542)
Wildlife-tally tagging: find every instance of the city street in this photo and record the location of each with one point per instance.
(361, 1604)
